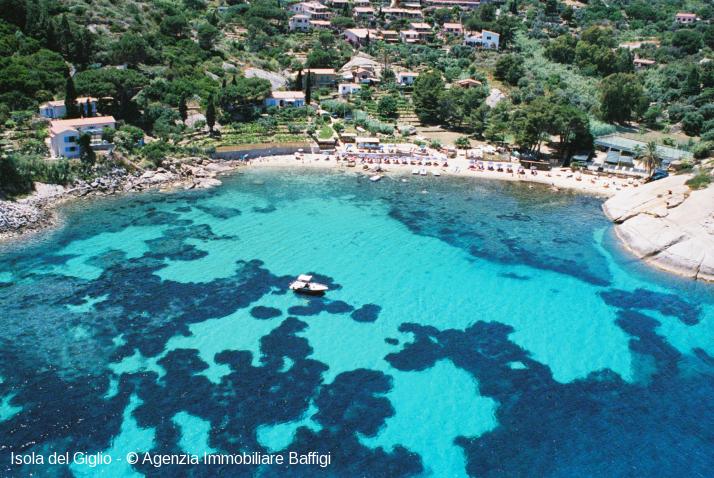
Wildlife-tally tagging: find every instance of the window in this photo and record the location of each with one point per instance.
(70, 139)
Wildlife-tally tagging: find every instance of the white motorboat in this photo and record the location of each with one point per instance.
(436, 173)
(415, 171)
(422, 171)
(304, 285)
(375, 178)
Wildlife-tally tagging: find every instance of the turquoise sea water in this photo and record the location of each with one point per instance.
(473, 328)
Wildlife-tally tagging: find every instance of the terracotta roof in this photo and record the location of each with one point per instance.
(57, 126)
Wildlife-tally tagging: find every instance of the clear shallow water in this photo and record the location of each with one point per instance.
(474, 328)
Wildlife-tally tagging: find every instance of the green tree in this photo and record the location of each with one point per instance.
(621, 97)
(428, 89)
(688, 41)
(509, 68)
(650, 158)
(210, 114)
(174, 26)
(692, 124)
(562, 49)
(131, 49)
(387, 106)
(183, 109)
(86, 154)
(308, 88)
(462, 142)
(207, 35)
(693, 84)
(70, 99)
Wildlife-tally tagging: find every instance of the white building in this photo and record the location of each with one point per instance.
(281, 99)
(299, 22)
(64, 135)
(57, 110)
(314, 10)
(684, 18)
(406, 78)
(357, 36)
(455, 29)
(484, 39)
(346, 89)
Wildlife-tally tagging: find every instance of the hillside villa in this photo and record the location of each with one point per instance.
(485, 39)
(406, 78)
(64, 136)
(346, 89)
(57, 110)
(280, 99)
(684, 18)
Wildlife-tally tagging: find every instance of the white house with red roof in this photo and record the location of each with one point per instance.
(64, 135)
(685, 18)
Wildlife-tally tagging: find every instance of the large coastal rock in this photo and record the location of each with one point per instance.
(668, 225)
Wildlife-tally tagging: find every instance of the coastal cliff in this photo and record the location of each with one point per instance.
(668, 225)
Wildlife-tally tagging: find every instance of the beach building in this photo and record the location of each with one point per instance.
(367, 142)
(64, 136)
(346, 89)
(57, 110)
(299, 22)
(407, 78)
(684, 18)
(622, 150)
(280, 99)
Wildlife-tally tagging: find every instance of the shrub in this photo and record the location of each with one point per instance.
(462, 142)
(700, 181)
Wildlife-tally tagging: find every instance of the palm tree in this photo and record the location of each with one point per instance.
(650, 157)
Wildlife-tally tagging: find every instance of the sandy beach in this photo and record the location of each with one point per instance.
(559, 178)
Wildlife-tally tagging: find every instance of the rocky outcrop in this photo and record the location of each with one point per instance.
(37, 211)
(668, 225)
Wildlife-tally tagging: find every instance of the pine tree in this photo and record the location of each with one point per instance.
(183, 109)
(65, 37)
(225, 83)
(308, 88)
(70, 98)
(298, 80)
(210, 114)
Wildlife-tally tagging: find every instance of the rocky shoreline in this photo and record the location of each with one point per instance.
(667, 225)
(38, 211)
